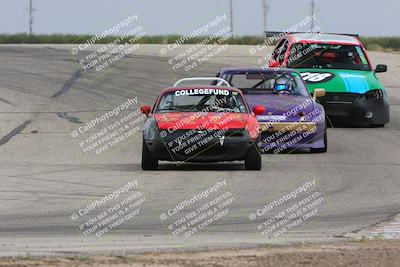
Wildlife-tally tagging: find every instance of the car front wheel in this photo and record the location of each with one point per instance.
(322, 149)
(253, 159)
(148, 162)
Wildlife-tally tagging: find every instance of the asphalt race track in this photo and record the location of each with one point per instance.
(45, 176)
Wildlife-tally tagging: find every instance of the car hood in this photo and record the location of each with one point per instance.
(195, 120)
(280, 107)
(341, 81)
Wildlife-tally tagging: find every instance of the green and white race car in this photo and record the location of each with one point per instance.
(340, 65)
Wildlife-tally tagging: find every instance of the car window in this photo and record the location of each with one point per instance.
(264, 83)
(241, 81)
(282, 52)
(277, 49)
(328, 56)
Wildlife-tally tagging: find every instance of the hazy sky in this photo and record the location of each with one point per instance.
(367, 17)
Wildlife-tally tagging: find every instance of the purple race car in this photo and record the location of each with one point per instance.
(292, 118)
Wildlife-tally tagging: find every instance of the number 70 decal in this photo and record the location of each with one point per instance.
(316, 77)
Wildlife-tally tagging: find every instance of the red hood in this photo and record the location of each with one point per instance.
(196, 120)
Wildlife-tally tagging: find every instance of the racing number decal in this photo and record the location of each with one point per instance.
(316, 77)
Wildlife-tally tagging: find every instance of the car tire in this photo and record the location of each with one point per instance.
(253, 159)
(148, 162)
(321, 149)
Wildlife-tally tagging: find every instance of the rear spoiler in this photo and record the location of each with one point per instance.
(272, 34)
(355, 35)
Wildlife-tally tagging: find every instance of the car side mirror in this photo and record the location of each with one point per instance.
(274, 64)
(319, 93)
(381, 68)
(258, 110)
(145, 110)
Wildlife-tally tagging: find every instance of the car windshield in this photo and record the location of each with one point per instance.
(259, 82)
(204, 100)
(328, 56)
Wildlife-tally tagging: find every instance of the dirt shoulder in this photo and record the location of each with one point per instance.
(362, 253)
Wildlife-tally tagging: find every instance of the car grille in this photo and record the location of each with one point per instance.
(341, 98)
(183, 134)
(190, 143)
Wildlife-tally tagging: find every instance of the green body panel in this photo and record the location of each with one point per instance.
(344, 81)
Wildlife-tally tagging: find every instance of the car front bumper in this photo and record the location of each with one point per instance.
(355, 109)
(206, 149)
(279, 136)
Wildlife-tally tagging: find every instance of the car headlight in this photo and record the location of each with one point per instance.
(376, 94)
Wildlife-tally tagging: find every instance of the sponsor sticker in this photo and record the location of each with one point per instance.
(201, 91)
(317, 77)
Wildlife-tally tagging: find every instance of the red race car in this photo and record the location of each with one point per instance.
(201, 124)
